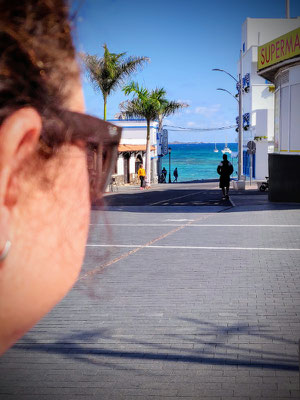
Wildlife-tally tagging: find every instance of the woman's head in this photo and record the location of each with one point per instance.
(37, 64)
(44, 184)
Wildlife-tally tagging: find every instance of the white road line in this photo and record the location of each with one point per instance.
(207, 225)
(192, 247)
(232, 202)
(247, 225)
(102, 267)
(135, 224)
(180, 220)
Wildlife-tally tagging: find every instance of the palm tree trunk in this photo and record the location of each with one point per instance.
(148, 157)
(160, 122)
(104, 113)
(160, 128)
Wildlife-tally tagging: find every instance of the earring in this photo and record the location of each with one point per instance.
(5, 251)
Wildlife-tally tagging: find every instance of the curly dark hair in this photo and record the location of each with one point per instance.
(36, 56)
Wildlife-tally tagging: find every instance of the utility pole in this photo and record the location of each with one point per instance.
(240, 139)
(240, 125)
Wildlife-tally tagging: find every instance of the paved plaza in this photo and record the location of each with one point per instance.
(188, 298)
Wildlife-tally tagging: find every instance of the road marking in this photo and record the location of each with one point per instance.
(135, 224)
(232, 202)
(150, 244)
(248, 225)
(206, 225)
(101, 267)
(180, 220)
(174, 198)
(192, 247)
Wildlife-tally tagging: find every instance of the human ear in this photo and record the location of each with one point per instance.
(19, 135)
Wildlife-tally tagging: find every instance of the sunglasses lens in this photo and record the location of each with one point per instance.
(101, 162)
(102, 139)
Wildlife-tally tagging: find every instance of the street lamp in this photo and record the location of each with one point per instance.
(169, 150)
(222, 70)
(225, 90)
(239, 100)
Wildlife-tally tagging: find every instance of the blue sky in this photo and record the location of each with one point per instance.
(184, 40)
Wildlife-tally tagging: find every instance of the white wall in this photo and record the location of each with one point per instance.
(261, 159)
(132, 164)
(257, 31)
(135, 132)
(133, 141)
(120, 165)
(259, 101)
(289, 111)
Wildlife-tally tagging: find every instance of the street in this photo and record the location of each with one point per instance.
(181, 296)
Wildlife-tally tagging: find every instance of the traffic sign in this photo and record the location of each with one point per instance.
(251, 147)
(164, 142)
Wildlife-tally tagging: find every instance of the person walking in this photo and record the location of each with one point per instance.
(225, 169)
(141, 175)
(175, 173)
(164, 175)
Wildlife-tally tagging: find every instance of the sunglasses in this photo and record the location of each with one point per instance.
(102, 139)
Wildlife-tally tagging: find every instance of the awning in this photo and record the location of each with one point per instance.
(133, 147)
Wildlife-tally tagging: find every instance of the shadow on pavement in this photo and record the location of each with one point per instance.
(188, 200)
(169, 197)
(211, 352)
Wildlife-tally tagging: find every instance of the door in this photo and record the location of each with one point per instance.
(126, 168)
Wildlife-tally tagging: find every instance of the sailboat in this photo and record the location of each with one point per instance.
(215, 149)
(226, 148)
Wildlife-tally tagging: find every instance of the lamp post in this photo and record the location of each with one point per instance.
(169, 150)
(225, 90)
(240, 126)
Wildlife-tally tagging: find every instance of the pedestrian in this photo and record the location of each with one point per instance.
(175, 173)
(225, 169)
(45, 191)
(164, 175)
(142, 175)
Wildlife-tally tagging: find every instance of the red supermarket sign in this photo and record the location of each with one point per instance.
(282, 48)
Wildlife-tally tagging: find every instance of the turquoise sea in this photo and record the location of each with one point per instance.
(197, 161)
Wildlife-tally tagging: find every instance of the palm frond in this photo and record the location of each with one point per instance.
(133, 109)
(93, 69)
(170, 107)
(133, 87)
(159, 93)
(131, 64)
(109, 72)
(145, 104)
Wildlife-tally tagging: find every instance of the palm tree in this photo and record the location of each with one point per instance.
(151, 105)
(168, 108)
(109, 72)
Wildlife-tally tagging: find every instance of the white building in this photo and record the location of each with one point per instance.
(258, 94)
(132, 149)
(279, 61)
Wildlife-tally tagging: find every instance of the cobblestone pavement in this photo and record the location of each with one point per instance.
(173, 302)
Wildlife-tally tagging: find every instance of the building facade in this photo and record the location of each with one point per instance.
(258, 91)
(279, 62)
(132, 150)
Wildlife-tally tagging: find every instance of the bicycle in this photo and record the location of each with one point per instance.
(265, 185)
